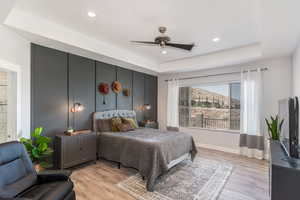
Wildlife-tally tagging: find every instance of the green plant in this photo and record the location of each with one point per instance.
(38, 147)
(274, 127)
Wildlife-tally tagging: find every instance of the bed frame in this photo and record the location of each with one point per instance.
(131, 114)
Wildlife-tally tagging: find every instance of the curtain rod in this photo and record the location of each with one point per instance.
(221, 74)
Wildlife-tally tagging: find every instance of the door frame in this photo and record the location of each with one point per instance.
(10, 67)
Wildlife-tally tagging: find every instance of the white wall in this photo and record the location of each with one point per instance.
(296, 71)
(15, 55)
(277, 85)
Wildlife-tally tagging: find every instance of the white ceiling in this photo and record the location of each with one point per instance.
(240, 24)
(119, 22)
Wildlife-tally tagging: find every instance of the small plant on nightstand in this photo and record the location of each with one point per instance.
(38, 148)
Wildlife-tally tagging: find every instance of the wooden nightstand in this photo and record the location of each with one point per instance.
(75, 149)
(149, 124)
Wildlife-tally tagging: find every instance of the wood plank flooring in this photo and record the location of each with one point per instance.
(248, 181)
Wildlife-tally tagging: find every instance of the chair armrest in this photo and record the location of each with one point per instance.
(53, 175)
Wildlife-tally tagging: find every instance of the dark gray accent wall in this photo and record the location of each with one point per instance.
(61, 79)
(81, 90)
(105, 73)
(49, 90)
(124, 76)
(151, 97)
(138, 93)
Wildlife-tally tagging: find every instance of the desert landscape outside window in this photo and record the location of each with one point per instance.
(214, 106)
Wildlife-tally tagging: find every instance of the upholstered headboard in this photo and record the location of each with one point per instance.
(111, 114)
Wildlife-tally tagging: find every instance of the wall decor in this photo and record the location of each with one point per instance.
(116, 87)
(104, 90)
(126, 92)
(77, 79)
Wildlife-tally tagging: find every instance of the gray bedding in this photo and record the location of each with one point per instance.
(148, 150)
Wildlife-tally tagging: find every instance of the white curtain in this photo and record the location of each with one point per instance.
(251, 138)
(172, 104)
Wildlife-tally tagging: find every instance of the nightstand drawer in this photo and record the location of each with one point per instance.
(75, 150)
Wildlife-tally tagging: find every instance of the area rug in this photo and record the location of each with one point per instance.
(199, 180)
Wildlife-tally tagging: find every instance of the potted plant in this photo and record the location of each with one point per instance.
(38, 149)
(274, 127)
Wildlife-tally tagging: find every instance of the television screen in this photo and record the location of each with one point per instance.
(283, 113)
(289, 137)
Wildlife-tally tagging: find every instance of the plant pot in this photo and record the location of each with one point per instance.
(38, 167)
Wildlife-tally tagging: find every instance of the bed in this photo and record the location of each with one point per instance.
(150, 151)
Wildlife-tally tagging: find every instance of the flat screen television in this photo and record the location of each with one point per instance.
(289, 138)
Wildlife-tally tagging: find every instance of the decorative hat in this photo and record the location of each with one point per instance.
(116, 86)
(126, 92)
(104, 88)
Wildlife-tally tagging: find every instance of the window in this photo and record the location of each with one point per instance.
(210, 106)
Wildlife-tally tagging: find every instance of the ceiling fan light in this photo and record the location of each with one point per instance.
(164, 51)
(91, 14)
(216, 39)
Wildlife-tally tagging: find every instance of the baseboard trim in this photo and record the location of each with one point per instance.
(219, 148)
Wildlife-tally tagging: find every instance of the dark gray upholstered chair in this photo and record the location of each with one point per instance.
(19, 180)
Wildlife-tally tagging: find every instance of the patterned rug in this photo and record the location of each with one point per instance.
(199, 180)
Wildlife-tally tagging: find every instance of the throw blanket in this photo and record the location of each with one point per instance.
(148, 150)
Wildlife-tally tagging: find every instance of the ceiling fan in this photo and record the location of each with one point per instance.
(164, 41)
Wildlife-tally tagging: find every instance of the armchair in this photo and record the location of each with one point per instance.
(20, 181)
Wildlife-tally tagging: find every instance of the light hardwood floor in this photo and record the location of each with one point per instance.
(248, 181)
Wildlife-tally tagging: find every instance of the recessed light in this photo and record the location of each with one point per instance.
(164, 52)
(216, 39)
(91, 14)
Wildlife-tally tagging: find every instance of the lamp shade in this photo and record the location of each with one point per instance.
(147, 106)
(77, 107)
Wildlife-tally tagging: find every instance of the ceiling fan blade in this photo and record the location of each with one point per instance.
(145, 42)
(187, 47)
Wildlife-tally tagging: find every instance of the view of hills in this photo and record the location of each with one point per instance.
(209, 109)
(201, 96)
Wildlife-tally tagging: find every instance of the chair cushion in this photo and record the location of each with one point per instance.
(10, 191)
(17, 172)
(49, 191)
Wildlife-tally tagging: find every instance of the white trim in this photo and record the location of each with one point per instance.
(211, 80)
(183, 83)
(9, 66)
(219, 148)
(237, 132)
